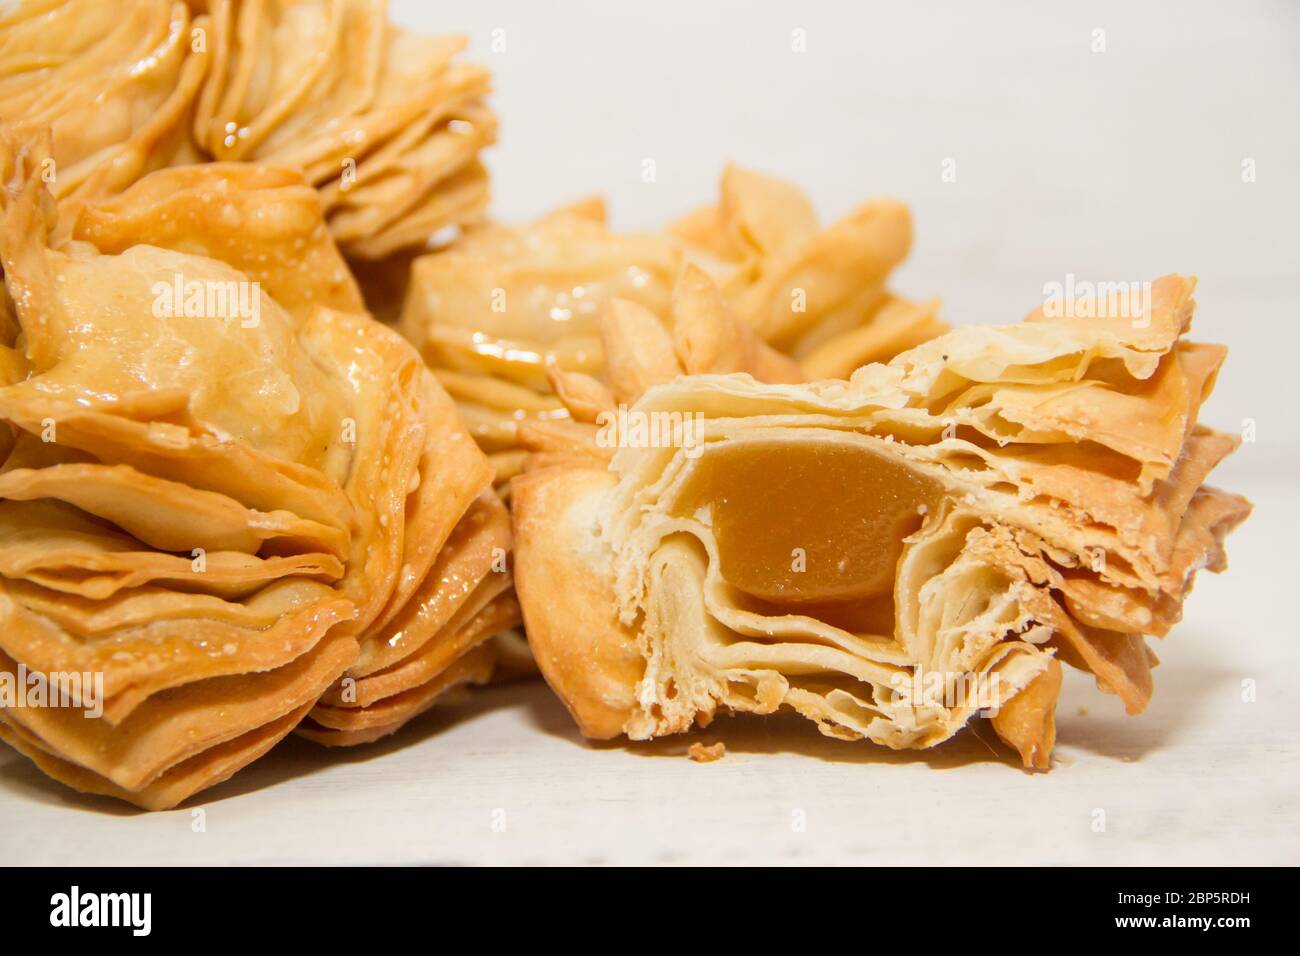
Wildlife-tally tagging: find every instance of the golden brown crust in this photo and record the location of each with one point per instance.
(1027, 721)
(1072, 518)
(566, 588)
(222, 519)
(174, 786)
(526, 323)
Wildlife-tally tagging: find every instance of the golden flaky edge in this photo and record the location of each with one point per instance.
(385, 124)
(523, 324)
(581, 538)
(408, 580)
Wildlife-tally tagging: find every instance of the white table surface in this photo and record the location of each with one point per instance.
(1115, 165)
(1201, 777)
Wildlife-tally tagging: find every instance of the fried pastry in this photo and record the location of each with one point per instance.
(504, 313)
(889, 555)
(501, 305)
(387, 125)
(816, 294)
(114, 83)
(228, 497)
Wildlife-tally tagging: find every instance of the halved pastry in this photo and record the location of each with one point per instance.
(503, 310)
(890, 555)
(225, 492)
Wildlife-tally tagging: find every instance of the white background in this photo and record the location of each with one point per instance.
(1122, 165)
(1118, 165)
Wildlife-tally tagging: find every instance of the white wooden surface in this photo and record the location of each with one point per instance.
(1117, 165)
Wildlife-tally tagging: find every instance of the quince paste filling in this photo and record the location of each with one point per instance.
(800, 523)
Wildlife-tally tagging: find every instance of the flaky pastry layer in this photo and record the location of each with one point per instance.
(867, 551)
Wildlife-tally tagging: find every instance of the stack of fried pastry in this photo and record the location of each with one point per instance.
(114, 83)
(387, 125)
(503, 309)
(890, 555)
(254, 509)
(819, 295)
(502, 306)
(223, 487)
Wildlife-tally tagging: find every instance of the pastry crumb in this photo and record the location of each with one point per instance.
(706, 753)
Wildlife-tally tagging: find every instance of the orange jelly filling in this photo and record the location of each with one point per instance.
(798, 522)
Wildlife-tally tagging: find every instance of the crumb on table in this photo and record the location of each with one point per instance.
(706, 753)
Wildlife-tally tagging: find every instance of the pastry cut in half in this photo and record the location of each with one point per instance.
(231, 504)
(504, 309)
(890, 555)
